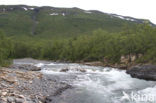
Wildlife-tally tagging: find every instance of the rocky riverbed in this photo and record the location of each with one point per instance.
(18, 84)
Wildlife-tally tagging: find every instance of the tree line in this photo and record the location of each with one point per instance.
(97, 46)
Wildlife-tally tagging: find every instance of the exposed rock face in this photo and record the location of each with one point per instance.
(26, 67)
(147, 72)
(128, 58)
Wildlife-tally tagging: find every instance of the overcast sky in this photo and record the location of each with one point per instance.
(145, 9)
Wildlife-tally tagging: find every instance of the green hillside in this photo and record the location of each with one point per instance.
(49, 21)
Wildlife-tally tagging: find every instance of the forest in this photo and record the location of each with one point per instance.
(100, 45)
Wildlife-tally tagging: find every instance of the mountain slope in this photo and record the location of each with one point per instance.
(50, 21)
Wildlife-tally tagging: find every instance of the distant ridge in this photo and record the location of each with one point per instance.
(52, 21)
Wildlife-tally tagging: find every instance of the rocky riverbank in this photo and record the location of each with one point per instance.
(146, 72)
(20, 85)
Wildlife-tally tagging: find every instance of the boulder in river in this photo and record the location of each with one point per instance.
(64, 70)
(146, 72)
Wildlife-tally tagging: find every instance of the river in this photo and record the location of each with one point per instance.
(97, 84)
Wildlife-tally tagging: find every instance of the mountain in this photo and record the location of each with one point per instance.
(50, 21)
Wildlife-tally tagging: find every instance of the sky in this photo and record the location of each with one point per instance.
(144, 9)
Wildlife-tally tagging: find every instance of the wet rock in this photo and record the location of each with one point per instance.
(82, 70)
(26, 67)
(49, 99)
(146, 72)
(60, 90)
(64, 70)
(73, 69)
(10, 99)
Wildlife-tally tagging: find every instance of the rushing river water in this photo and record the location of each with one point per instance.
(98, 84)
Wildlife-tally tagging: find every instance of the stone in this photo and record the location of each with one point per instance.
(29, 102)
(4, 99)
(146, 72)
(3, 93)
(64, 70)
(30, 82)
(4, 85)
(40, 102)
(21, 96)
(11, 79)
(19, 100)
(10, 99)
(82, 70)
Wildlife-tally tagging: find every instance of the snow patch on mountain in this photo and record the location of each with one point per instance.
(129, 19)
(124, 18)
(88, 12)
(54, 14)
(31, 8)
(25, 8)
(121, 17)
(63, 14)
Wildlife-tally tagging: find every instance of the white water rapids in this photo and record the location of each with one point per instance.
(99, 84)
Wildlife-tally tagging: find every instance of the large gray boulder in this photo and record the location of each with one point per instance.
(146, 72)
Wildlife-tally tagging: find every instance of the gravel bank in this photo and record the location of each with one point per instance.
(23, 86)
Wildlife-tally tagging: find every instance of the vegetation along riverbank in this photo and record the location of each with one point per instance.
(125, 48)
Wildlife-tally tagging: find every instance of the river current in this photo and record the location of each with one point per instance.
(97, 84)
